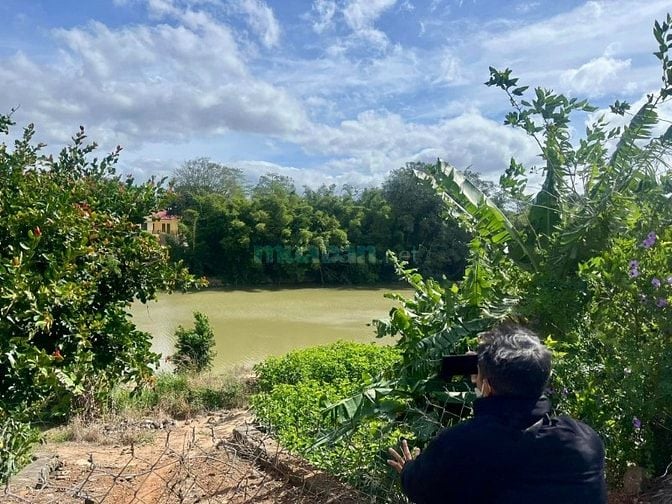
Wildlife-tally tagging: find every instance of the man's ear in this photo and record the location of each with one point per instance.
(486, 388)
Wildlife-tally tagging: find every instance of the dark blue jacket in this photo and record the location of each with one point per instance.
(512, 451)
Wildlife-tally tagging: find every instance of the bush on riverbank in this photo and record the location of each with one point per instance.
(194, 348)
(295, 389)
(342, 361)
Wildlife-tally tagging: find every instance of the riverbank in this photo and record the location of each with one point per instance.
(154, 461)
(217, 284)
(184, 439)
(177, 442)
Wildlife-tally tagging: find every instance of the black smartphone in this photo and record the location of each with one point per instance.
(458, 365)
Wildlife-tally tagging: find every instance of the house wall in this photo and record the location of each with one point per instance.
(165, 226)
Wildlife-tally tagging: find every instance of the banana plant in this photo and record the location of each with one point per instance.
(471, 205)
(588, 184)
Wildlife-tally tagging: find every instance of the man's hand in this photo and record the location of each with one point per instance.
(398, 461)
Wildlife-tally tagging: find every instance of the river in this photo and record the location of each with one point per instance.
(252, 324)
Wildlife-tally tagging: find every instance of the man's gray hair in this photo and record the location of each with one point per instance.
(514, 361)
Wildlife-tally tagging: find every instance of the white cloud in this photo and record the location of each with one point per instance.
(361, 151)
(324, 14)
(593, 78)
(376, 38)
(257, 14)
(148, 83)
(310, 177)
(551, 51)
(162, 8)
(526, 7)
(355, 83)
(262, 20)
(450, 69)
(361, 14)
(143, 168)
(376, 142)
(576, 35)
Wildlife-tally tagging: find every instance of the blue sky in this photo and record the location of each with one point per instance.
(325, 91)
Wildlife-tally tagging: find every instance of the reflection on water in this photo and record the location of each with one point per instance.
(250, 325)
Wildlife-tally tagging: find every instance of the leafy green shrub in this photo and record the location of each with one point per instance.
(16, 439)
(294, 411)
(624, 345)
(194, 347)
(297, 388)
(340, 361)
(72, 257)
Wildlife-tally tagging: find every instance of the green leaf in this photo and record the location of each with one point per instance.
(469, 201)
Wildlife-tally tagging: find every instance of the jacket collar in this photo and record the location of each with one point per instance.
(512, 408)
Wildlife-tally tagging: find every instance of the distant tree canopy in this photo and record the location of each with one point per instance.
(202, 176)
(273, 233)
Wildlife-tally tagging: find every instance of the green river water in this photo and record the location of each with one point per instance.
(252, 324)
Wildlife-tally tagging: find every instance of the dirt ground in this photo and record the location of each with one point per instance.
(154, 461)
(151, 461)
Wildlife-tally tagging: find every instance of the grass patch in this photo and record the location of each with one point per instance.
(182, 396)
(178, 396)
(110, 431)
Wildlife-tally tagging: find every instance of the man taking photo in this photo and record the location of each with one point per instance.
(512, 450)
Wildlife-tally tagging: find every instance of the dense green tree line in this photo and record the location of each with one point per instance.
(272, 233)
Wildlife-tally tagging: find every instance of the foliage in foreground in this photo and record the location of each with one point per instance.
(617, 374)
(72, 258)
(587, 264)
(194, 348)
(16, 439)
(294, 390)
